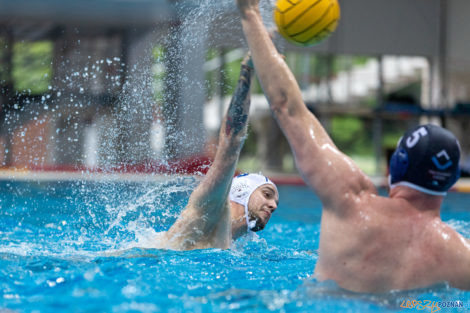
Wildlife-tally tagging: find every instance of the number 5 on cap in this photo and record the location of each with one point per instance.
(417, 134)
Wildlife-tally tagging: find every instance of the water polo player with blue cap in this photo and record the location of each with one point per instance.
(223, 207)
(368, 242)
(426, 159)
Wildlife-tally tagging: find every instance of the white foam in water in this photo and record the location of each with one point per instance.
(463, 227)
(143, 227)
(146, 238)
(148, 198)
(124, 209)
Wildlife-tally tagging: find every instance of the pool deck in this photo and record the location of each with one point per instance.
(463, 185)
(27, 175)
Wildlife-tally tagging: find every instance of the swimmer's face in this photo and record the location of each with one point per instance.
(263, 202)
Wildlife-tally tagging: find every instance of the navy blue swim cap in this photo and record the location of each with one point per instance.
(426, 159)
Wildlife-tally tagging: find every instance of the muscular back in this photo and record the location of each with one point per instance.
(368, 243)
(383, 244)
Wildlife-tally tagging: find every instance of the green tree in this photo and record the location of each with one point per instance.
(32, 66)
(351, 135)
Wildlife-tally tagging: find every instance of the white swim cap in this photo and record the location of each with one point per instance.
(243, 186)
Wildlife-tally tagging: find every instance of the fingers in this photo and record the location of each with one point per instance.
(244, 5)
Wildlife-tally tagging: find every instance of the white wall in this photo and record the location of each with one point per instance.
(387, 27)
(458, 35)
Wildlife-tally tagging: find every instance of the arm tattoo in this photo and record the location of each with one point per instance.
(237, 114)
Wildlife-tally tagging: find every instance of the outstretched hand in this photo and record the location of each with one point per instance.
(245, 5)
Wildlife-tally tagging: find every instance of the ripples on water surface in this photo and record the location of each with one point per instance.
(78, 247)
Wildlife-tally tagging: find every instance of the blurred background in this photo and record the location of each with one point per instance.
(141, 85)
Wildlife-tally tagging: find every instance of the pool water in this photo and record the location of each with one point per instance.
(81, 247)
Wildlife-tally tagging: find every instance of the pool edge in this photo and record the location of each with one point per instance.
(463, 185)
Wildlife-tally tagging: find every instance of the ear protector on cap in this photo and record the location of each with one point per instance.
(399, 163)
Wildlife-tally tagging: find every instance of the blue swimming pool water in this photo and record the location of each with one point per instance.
(73, 247)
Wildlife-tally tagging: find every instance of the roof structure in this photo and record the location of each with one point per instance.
(111, 12)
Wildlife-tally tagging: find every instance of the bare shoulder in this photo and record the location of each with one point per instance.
(195, 229)
(179, 236)
(453, 250)
(381, 209)
(461, 274)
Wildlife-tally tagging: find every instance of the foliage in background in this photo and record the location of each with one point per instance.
(159, 72)
(222, 80)
(32, 66)
(211, 77)
(351, 135)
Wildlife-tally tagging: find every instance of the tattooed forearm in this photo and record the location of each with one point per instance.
(237, 114)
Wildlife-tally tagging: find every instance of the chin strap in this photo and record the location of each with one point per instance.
(249, 224)
(242, 187)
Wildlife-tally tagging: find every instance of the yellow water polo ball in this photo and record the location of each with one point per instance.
(306, 22)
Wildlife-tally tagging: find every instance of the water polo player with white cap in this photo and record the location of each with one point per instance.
(241, 192)
(219, 211)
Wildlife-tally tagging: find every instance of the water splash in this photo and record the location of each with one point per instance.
(153, 210)
(91, 72)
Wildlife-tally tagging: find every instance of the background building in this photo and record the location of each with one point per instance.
(127, 84)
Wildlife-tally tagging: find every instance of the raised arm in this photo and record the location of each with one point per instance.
(213, 191)
(207, 214)
(324, 168)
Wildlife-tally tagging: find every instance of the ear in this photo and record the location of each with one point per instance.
(457, 176)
